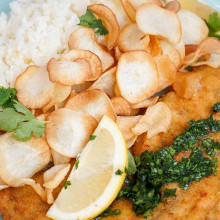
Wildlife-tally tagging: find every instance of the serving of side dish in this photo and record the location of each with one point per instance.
(109, 109)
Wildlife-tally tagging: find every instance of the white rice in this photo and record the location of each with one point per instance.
(38, 30)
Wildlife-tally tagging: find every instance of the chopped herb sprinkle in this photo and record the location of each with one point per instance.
(77, 163)
(156, 169)
(169, 192)
(216, 107)
(92, 137)
(118, 172)
(66, 184)
(108, 212)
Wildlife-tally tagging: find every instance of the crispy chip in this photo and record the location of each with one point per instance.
(42, 117)
(166, 71)
(117, 91)
(137, 3)
(91, 58)
(118, 52)
(194, 29)
(137, 76)
(60, 93)
(126, 123)
(75, 67)
(106, 82)
(123, 107)
(173, 6)
(156, 120)
(21, 160)
(53, 177)
(132, 38)
(190, 49)
(155, 47)
(81, 87)
(84, 38)
(210, 45)
(34, 89)
(94, 102)
(187, 84)
(69, 131)
(139, 145)
(129, 9)
(173, 54)
(180, 47)
(146, 103)
(110, 22)
(167, 25)
(131, 142)
(67, 72)
(59, 158)
(213, 61)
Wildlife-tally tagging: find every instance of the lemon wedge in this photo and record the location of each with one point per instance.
(94, 182)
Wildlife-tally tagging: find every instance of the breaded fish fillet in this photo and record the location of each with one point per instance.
(200, 201)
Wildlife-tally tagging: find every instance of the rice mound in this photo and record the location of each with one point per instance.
(37, 30)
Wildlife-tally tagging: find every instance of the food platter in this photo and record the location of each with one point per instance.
(108, 105)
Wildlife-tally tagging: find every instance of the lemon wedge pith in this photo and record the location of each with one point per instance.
(94, 184)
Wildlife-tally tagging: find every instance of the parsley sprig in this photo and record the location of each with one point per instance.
(89, 20)
(18, 119)
(22, 122)
(213, 24)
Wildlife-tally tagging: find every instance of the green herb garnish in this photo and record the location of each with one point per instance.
(213, 24)
(131, 170)
(77, 163)
(92, 137)
(118, 172)
(7, 96)
(108, 212)
(216, 107)
(89, 20)
(169, 192)
(156, 169)
(66, 184)
(21, 121)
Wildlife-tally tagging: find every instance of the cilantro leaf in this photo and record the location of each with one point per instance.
(169, 192)
(9, 119)
(89, 20)
(26, 129)
(20, 108)
(213, 24)
(22, 122)
(6, 97)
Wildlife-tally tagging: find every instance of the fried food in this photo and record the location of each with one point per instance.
(200, 201)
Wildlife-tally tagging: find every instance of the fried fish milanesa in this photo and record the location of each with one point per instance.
(200, 201)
